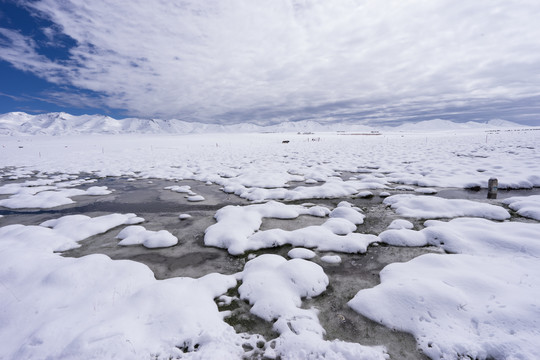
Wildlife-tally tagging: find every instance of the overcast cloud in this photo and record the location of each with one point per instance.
(274, 60)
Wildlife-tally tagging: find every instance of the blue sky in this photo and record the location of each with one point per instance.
(267, 61)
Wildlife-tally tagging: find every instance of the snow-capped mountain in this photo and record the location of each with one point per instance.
(20, 123)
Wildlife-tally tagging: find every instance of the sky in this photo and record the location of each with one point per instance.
(269, 61)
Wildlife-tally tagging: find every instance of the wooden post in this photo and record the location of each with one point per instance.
(493, 184)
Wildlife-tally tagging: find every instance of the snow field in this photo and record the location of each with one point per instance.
(478, 301)
(259, 167)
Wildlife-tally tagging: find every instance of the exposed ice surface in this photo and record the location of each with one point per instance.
(480, 300)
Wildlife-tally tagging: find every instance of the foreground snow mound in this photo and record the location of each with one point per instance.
(432, 207)
(275, 287)
(237, 228)
(65, 233)
(481, 303)
(96, 308)
(527, 206)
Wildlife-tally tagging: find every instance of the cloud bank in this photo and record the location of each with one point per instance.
(276, 60)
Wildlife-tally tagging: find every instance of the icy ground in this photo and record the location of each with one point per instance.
(331, 246)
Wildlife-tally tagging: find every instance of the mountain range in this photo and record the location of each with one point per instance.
(60, 123)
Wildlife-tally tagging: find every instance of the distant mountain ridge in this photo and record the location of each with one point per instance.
(20, 123)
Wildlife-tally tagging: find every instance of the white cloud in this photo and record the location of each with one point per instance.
(227, 59)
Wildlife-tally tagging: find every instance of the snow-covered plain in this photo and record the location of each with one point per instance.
(478, 299)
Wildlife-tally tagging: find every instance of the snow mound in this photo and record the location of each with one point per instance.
(138, 235)
(97, 308)
(480, 303)
(432, 207)
(301, 253)
(275, 288)
(527, 206)
(237, 229)
(79, 227)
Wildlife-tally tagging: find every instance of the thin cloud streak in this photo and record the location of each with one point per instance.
(237, 60)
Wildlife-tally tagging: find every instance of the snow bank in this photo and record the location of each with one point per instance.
(96, 308)
(237, 229)
(332, 188)
(431, 207)
(138, 235)
(275, 288)
(471, 236)
(527, 206)
(481, 302)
